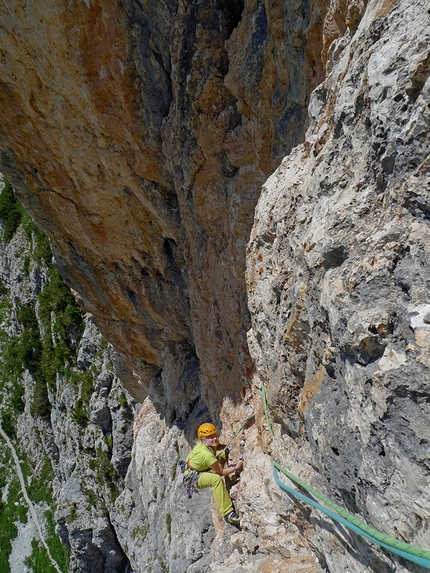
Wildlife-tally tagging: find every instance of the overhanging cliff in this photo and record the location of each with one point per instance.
(139, 137)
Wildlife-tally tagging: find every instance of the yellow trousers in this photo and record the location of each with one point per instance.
(221, 495)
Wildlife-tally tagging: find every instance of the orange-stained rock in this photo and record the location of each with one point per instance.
(138, 137)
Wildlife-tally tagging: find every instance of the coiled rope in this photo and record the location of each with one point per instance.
(341, 515)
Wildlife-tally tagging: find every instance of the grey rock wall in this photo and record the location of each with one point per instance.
(92, 460)
(85, 427)
(338, 278)
(160, 529)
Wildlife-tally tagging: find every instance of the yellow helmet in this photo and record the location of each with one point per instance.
(206, 430)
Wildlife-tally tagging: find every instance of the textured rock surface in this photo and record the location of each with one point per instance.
(139, 137)
(338, 274)
(91, 461)
(87, 442)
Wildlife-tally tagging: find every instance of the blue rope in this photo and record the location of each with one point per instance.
(414, 558)
(414, 554)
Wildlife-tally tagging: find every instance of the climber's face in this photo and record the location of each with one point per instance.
(211, 440)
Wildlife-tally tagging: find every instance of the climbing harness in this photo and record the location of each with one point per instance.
(341, 515)
(189, 479)
(191, 476)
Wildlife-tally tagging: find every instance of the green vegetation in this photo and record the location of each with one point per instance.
(108, 440)
(140, 531)
(84, 384)
(10, 512)
(40, 488)
(80, 413)
(44, 341)
(26, 265)
(11, 212)
(105, 473)
(56, 300)
(29, 345)
(3, 289)
(91, 496)
(169, 524)
(44, 349)
(164, 566)
(39, 561)
(41, 405)
(44, 344)
(8, 532)
(73, 515)
(14, 403)
(16, 510)
(175, 464)
(59, 552)
(10, 384)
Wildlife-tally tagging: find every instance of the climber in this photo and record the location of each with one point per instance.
(208, 458)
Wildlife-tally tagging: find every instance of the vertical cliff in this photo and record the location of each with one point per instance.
(63, 411)
(139, 136)
(338, 276)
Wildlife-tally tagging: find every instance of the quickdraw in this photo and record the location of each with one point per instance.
(190, 478)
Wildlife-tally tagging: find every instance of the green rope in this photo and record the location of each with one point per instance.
(382, 538)
(266, 411)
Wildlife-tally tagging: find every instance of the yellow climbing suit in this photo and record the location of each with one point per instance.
(200, 459)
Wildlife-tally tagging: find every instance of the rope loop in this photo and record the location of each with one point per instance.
(341, 515)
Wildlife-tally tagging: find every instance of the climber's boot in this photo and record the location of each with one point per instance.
(233, 519)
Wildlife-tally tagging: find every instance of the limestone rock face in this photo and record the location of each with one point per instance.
(139, 135)
(337, 274)
(74, 430)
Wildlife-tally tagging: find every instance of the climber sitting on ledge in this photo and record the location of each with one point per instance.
(208, 457)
